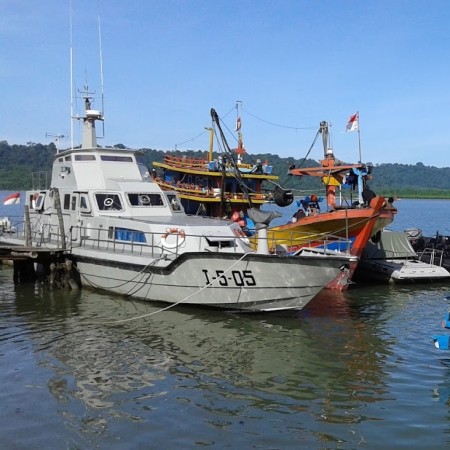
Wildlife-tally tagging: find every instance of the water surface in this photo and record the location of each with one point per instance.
(351, 371)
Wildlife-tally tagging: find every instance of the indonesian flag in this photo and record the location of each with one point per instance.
(12, 199)
(238, 124)
(353, 123)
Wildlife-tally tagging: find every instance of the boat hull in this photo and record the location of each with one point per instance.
(401, 271)
(249, 282)
(342, 230)
(343, 224)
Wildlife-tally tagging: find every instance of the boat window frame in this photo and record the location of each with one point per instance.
(39, 202)
(66, 202)
(117, 158)
(115, 205)
(174, 202)
(86, 208)
(84, 158)
(156, 200)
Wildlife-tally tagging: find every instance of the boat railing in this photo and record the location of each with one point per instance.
(38, 235)
(156, 244)
(186, 162)
(187, 188)
(293, 241)
(432, 255)
(200, 191)
(41, 180)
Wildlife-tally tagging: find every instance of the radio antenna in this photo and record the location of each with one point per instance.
(71, 78)
(57, 139)
(101, 73)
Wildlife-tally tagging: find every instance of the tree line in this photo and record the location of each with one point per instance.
(19, 162)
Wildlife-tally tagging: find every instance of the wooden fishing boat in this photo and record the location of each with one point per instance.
(218, 186)
(352, 212)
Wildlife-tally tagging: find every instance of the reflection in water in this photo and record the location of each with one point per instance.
(316, 376)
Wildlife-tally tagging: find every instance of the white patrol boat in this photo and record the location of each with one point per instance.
(124, 234)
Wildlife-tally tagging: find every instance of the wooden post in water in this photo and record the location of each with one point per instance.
(62, 232)
(27, 227)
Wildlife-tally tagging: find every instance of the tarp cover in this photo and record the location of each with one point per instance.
(392, 245)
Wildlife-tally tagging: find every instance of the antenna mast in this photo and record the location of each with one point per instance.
(57, 138)
(71, 78)
(101, 73)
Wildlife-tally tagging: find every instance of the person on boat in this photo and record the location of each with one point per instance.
(298, 215)
(257, 168)
(390, 203)
(243, 221)
(227, 208)
(313, 205)
(367, 195)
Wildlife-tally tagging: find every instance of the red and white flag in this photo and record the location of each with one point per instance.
(353, 123)
(12, 199)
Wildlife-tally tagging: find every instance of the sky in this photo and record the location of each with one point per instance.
(283, 66)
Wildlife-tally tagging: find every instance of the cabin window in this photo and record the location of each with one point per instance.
(108, 202)
(84, 157)
(73, 203)
(38, 201)
(68, 158)
(145, 199)
(84, 204)
(66, 204)
(144, 172)
(174, 202)
(125, 234)
(116, 158)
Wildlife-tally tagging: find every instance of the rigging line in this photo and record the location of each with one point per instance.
(229, 112)
(203, 132)
(310, 149)
(192, 139)
(179, 302)
(276, 124)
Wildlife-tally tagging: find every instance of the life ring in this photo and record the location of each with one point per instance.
(241, 235)
(179, 238)
(108, 202)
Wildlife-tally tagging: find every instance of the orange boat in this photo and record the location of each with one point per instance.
(354, 213)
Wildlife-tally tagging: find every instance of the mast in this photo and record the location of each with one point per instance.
(71, 78)
(89, 136)
(240, 150)
(328, 161)
(211, 143)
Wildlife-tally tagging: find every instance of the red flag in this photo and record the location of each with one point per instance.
(353, 124)
(12, 199)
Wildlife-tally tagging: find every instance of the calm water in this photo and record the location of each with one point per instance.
(352, 371)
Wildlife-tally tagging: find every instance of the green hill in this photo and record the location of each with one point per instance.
(19, 162)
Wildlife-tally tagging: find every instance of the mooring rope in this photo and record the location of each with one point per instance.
(179, 302)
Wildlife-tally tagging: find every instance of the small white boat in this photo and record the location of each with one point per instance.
(122, 233)
(393, 259)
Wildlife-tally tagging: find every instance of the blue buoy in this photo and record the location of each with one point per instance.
(446, 321)
(441, 341)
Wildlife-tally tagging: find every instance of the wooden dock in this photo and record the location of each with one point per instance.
(39, 263)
